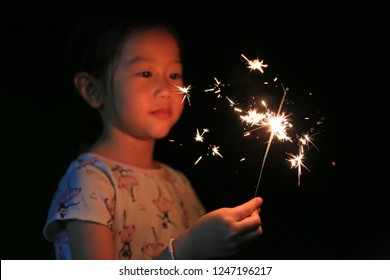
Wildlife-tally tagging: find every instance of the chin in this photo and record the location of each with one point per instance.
(160, 135)
(160, 132)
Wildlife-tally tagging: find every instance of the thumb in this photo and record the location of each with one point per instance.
(246, 209)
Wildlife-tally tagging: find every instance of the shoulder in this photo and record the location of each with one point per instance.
(89, 163)
(88, 169)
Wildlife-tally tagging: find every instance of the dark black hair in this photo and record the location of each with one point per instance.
(97, 41)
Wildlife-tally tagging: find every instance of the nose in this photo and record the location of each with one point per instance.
(164, 87)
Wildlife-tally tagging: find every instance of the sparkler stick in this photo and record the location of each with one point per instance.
(270, 140)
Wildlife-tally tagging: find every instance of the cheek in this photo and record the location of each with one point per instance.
(126, 98)
(179, 103)
(130, 108)
(179, 110)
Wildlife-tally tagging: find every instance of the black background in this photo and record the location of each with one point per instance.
(332, 56)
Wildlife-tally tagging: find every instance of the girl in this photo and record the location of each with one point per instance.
(115, 201)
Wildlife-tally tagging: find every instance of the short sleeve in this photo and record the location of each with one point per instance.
(85, 193)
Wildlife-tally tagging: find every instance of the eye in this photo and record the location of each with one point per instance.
(144, 74)
(175, 76)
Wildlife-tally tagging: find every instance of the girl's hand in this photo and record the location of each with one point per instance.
(221, 232)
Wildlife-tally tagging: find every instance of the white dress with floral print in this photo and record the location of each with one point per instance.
(144, 208)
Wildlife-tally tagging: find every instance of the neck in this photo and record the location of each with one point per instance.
(118, 146)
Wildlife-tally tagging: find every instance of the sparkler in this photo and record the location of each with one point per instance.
(277, 123)
(277, 126)
(297, 162)
(255, 64)
(218, 86)
(199, 158)
(199, 136)
(214, 149)
(231, 102)
(305, 140)
(185, 91)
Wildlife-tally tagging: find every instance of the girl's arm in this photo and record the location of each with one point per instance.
(219, 233)
(90, 241)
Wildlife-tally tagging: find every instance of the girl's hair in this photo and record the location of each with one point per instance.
(98, 41)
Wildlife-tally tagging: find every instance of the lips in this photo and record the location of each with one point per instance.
(163, 113)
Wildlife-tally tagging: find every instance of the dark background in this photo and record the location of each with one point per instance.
(332, 56)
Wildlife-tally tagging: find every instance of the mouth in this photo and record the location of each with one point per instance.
(163, 113)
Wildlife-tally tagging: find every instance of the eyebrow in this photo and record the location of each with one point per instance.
(137, 59)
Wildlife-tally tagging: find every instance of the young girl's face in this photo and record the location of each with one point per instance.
(145, 102)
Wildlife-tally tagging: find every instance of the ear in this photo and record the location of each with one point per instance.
(87, 86)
